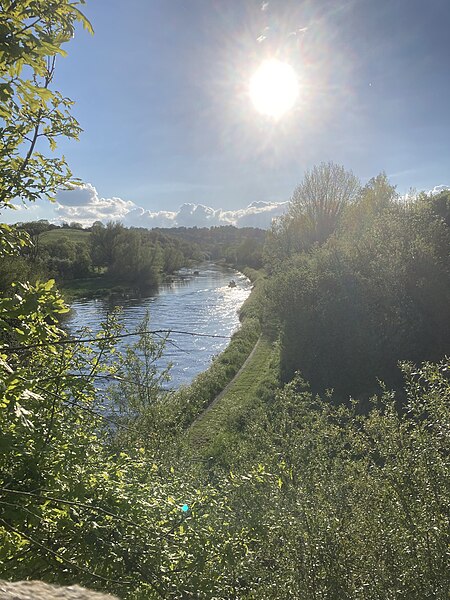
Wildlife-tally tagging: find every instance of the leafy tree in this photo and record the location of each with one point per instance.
(375, 197)
(314, 211)
(19, 268)
(374, 294)
(173, 259)
(358, 506)
(104, 242)
(136, 260)
(66, 259)
(440, 204)
(321, 197)
(31, 112)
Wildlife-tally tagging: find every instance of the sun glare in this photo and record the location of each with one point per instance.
(274, 88)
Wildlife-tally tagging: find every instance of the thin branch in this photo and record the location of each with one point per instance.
(68, 341)
(81, 407)
(92, 508)
(79, 505)
(88, 410)
(30, 26)
(17, 506)
(62, 558)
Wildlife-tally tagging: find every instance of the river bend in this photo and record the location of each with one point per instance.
(200, 303)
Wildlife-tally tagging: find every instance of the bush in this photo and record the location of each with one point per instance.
(352, 308)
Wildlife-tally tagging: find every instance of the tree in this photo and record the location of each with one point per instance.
(31, 113)
(440, 204)
(373, 294)
(104, 242)
(320, 199)
(136, 260)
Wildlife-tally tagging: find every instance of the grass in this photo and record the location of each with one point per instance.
(74, 235)
(192, 400)
(244, 392)
(93, 287)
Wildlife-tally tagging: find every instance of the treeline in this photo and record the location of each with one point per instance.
(241, 247)
(139, 256)
(131, 257)
(135, 258)
(360, 280)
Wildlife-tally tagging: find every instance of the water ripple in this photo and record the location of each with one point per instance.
(197, 303)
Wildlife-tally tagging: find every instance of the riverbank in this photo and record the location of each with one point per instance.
(104, 286)
(200, 310)
(234, 400)
(194, 399)
(93, 287)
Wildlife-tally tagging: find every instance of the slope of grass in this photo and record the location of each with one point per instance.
(74, 235)
(243, 393)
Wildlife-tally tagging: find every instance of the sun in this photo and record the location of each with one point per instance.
(274, 88)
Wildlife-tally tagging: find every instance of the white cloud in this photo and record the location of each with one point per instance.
(77, 195)
(84, 205)
(439, 188)
(257, 214)
(139, 217)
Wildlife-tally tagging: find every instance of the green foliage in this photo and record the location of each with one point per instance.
(136, 260)
(103, 242)
(240, 247)
(335, 503)
(18, 268)
(320, 199)
(361, 504)
(328, 504)
(246, 254)
(374, 294)
(32, 35)
(138, 399)
(439, 204)
(109, 259)
(66, 259)
(314, 211)
(12, 240)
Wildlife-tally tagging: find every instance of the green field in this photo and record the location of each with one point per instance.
(74, 235)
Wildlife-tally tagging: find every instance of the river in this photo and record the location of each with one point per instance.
(200, 303)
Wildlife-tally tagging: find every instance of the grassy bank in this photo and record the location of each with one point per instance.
(73, 235)
(216, 433)
(195, 398)
(101, 286)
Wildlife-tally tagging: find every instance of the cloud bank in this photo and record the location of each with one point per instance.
(83, 204)
(438, 188)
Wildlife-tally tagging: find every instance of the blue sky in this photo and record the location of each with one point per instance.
(161, 93)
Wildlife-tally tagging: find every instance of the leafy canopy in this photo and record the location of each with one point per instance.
(32, 33)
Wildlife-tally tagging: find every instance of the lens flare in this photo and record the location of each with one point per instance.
(274, 88)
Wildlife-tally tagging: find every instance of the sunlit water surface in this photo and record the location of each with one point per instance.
(199, 304)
